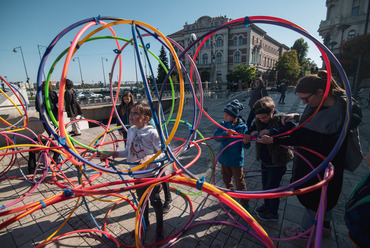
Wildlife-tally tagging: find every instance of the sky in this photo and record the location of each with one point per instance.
(34, 24)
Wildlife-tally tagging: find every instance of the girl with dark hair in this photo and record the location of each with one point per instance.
(127, 101)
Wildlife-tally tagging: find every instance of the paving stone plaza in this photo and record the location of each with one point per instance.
(120, 218)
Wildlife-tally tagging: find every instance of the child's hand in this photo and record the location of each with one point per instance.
(263, 132)
(103, 156)
(230, 132)
(143, 160)
(254, 133)
(247, 139)
(265, 139)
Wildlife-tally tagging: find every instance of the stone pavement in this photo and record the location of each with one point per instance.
(36, 227)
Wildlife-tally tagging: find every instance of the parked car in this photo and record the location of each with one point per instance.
(81, 96)
(87, 95)
(96, 95)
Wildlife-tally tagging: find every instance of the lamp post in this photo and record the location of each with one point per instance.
(38, 47)
(79, 64)
(25, 69)
(102, 65)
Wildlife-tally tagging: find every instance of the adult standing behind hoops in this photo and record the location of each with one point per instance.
(319, 134)
(72, 107)
(127, 101)
(258, 91)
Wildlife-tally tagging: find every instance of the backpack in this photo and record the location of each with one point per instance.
(354, 155)
(357, 213)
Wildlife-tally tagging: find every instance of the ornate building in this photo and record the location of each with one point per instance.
(228, 47)
(344, 19)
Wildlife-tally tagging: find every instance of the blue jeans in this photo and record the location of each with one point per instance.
(271, 178)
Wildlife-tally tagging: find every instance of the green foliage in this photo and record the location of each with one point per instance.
(161, 72)
(242, 72)
(349, 54)
(302, 48)
(288, 67)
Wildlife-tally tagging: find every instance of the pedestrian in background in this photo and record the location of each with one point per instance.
(282, 89)
(72, 107)
(258, 91)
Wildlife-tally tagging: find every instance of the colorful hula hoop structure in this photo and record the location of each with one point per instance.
(79, 157)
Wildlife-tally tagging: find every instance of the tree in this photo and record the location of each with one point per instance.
(244, 73)
(349, 55)
(288, 67)
(302, 48)
(161, 72)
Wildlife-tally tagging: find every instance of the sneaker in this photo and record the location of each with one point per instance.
(261, 209)
(296, 231)
(71, 132)
(160, 234)
(167, 206)
(268, 216)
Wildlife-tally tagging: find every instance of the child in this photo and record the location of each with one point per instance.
(142, 143)
(127, 101)
(232, 158)
(273, 157)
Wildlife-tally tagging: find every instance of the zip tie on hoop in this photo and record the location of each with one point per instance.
(97, 19)
(130, 173)
(43, 204)
(68, 192)
(200, 183)
(246, 21)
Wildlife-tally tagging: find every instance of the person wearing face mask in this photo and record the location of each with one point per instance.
(319, 134)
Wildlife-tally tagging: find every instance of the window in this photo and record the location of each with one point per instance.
(240, 40)
(205, 59)
(253, 40)
(237, 57)
(219, 76)
(235, 41)
(219, 41)
(218, 58)
(206, 44)
(355, 7)
(351, 34)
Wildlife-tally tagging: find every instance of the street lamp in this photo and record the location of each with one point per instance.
(79, 64)
(25, 69)
(102, 65)
(38, 47)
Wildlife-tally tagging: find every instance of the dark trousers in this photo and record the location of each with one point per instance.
(166, 190)
(271, 178)
(250, 119)
(282, 97)
(155, 201)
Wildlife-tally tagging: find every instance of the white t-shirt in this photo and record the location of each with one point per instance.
(140, 143)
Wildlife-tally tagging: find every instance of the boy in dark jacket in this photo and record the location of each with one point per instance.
(273, 157)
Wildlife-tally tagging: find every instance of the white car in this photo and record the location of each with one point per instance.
(96, 95)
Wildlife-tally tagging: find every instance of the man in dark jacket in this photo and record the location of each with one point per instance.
(72, 107)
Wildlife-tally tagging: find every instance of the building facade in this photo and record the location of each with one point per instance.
(228, 47)
(344, 19)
